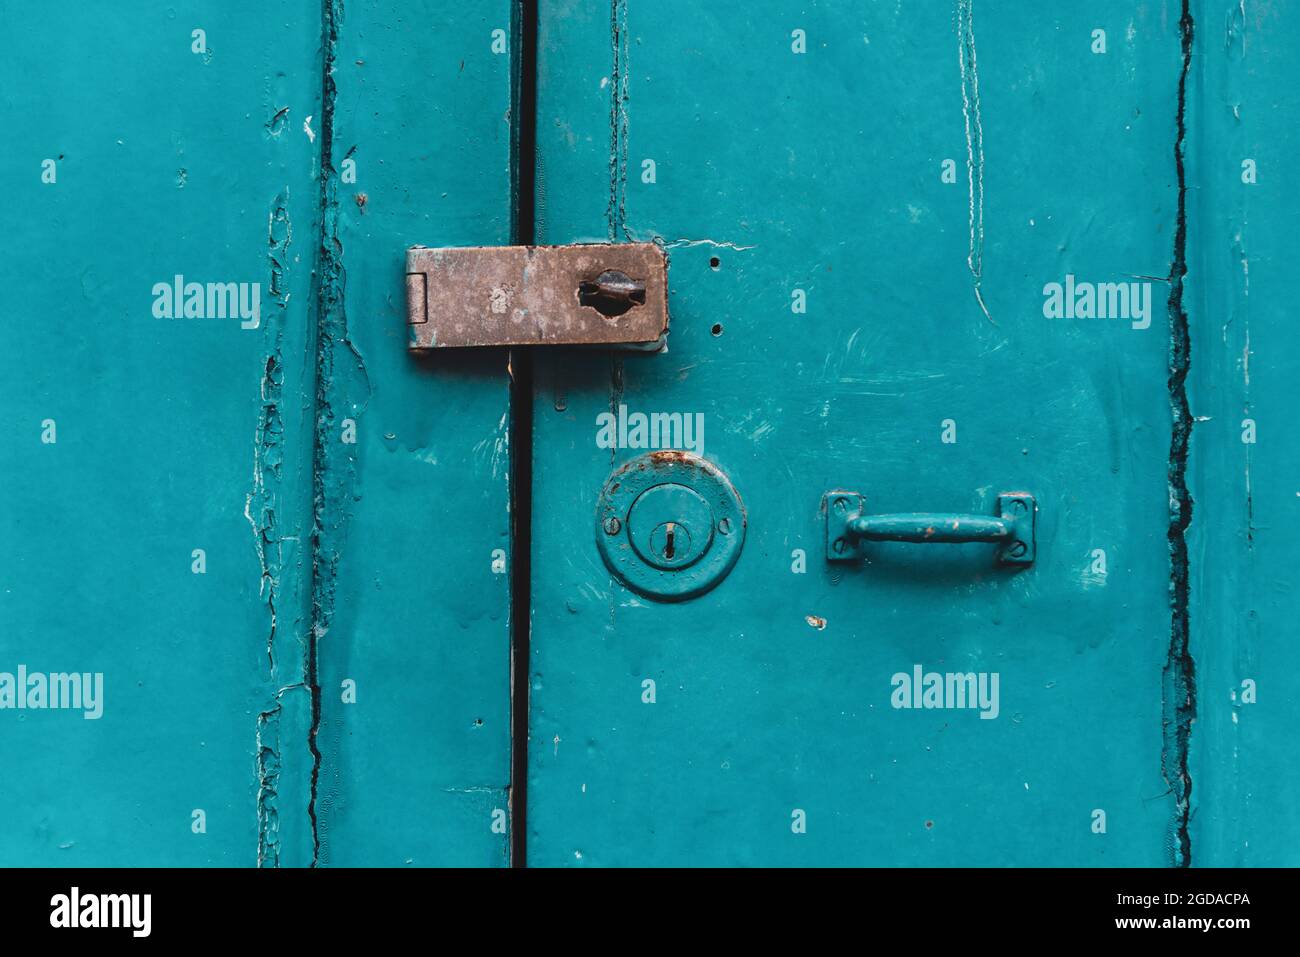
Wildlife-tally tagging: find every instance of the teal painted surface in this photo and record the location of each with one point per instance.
(1245, 365)
(708, 731)
(183, 434)
(822, 172)
(418, 607)
(171, 434)
(669, 525)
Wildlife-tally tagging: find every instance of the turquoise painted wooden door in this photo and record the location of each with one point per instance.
(271, 544)
(929, 253)
(1243, 456)
(256, 603)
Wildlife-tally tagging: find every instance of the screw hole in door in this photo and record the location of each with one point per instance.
(715, 263)
(717, 329)
(612, 293)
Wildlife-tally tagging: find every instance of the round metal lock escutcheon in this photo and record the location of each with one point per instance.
(670, 525)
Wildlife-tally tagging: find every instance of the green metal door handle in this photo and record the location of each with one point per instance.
(1012, 528)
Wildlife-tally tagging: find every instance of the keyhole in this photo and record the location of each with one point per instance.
(612, 293)
(670, 545)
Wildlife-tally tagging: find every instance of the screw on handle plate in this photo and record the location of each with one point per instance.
(848, 526)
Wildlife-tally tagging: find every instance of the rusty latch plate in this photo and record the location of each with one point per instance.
(613, 295)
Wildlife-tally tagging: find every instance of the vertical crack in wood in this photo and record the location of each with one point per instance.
(1179, 677)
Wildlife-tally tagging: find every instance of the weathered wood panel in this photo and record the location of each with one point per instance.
(863, 207)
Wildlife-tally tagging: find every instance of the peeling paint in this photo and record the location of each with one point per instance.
(970, 108)
(342, 389)
(268, 455)
(616, 211)
(259, 509)
(1179, 676)
(275, 125)
(686, 243)
(268, 779)
(272, 728)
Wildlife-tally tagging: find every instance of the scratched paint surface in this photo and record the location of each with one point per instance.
(416, 771)
(777, 171)
(171, 434)
(1244, 368)
(188, 514)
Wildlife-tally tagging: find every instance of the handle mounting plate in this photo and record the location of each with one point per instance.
(843, 544)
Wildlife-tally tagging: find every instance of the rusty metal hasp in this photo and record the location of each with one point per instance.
(605, 295)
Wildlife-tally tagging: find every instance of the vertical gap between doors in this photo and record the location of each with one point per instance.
(523, 175)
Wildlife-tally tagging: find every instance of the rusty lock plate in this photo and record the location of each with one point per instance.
(614, 295)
